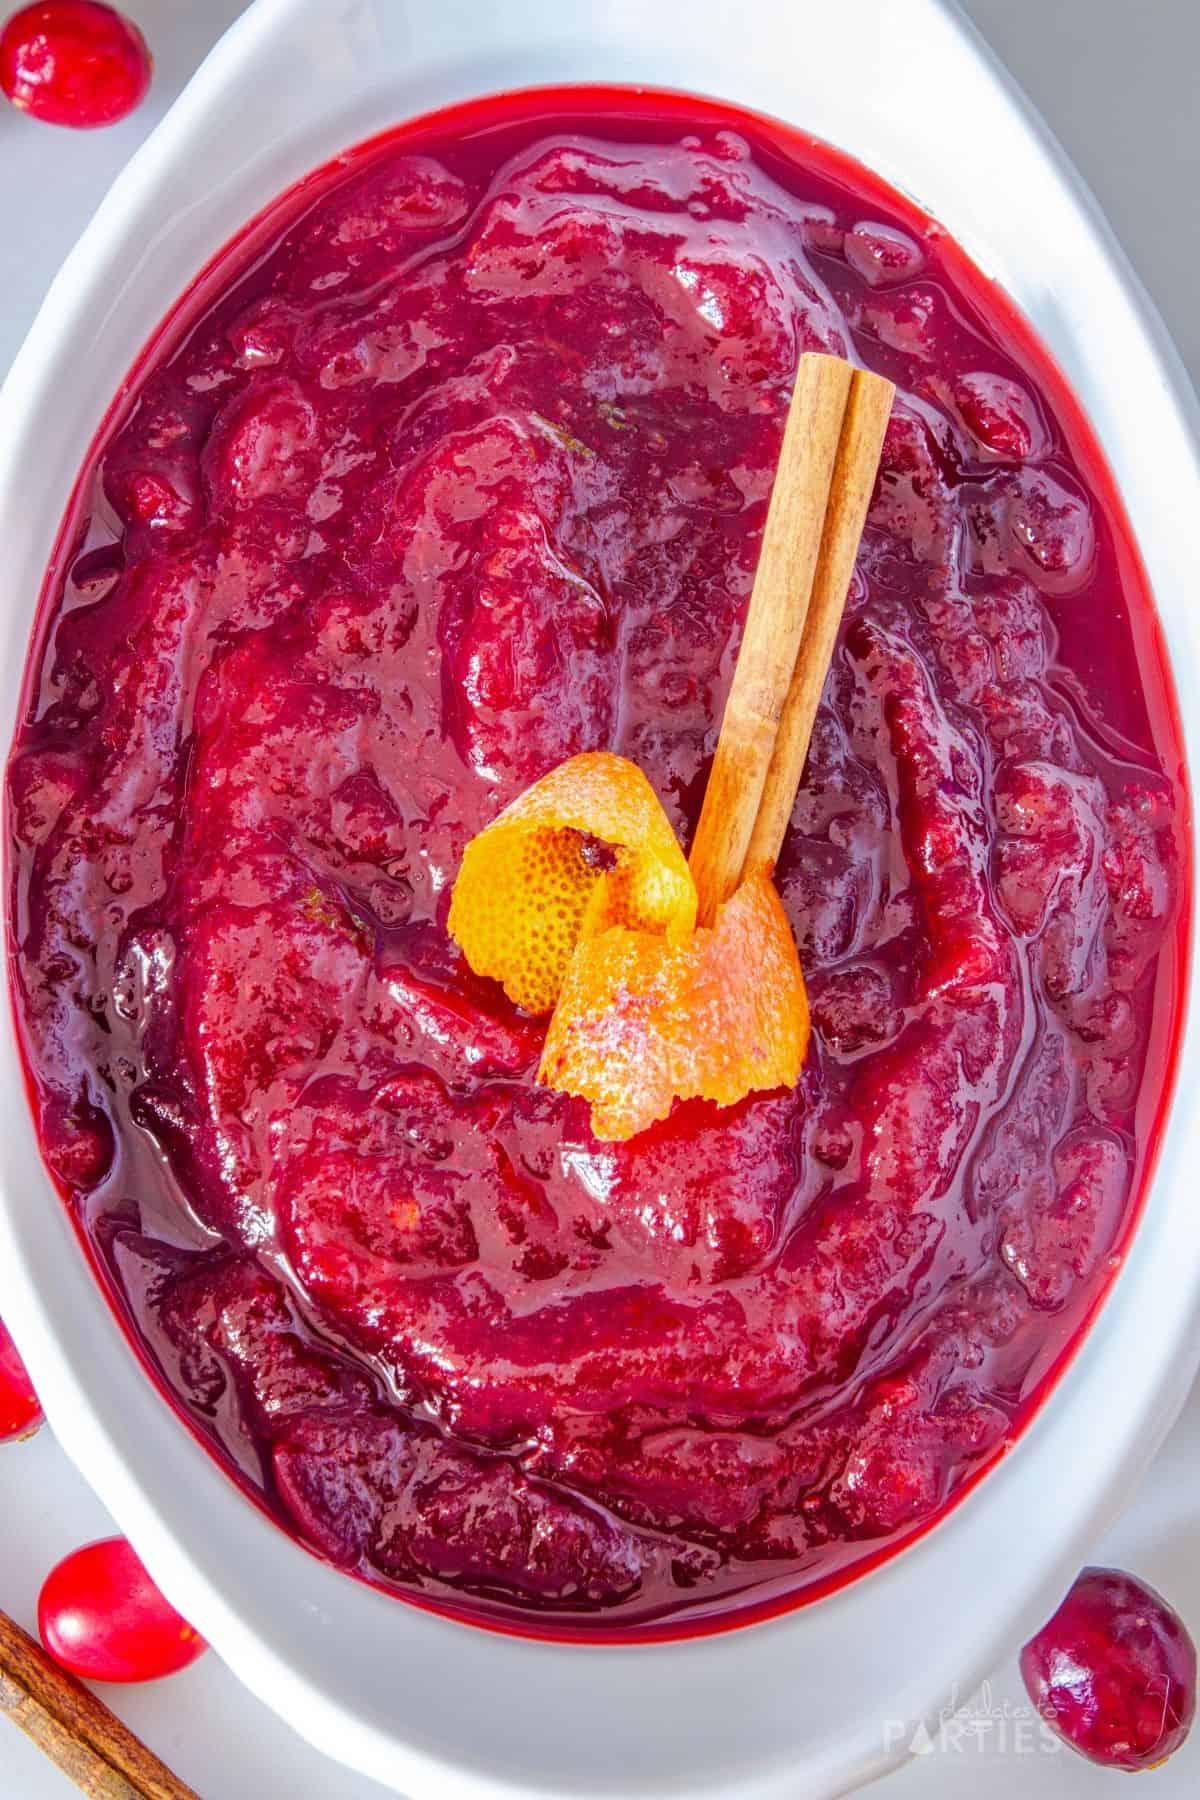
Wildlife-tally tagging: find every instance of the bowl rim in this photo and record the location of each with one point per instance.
(236, 1594)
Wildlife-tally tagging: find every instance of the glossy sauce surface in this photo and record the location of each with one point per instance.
(463, 472)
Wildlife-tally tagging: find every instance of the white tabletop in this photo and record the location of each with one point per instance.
(1124, 107)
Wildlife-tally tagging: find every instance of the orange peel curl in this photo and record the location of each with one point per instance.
(578, 898)
(585, 849)
(642, 1022)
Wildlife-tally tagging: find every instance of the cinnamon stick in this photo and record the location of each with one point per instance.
(865, 422)
(75, 1729)
(771, 638)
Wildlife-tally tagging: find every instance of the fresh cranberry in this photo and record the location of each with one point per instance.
(74, 62)
(1114, 1672)
(102, 1617)
(20, 1413)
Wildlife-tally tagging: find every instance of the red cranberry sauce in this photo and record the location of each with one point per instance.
(464, 474)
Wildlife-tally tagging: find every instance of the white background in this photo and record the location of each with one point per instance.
(1116, 80)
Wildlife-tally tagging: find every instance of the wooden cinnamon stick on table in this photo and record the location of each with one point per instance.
(75, 1729)
(823, 484)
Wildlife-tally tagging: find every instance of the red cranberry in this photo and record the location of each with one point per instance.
(1114, 1672)
(20, 1414)
(880, 253)
(1000, 414)
(74, 62)
(102, 1617)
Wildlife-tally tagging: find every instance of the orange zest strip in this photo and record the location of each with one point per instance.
(641, 1022)
(585, 848)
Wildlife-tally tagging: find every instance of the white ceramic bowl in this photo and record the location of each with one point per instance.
(814, 1702)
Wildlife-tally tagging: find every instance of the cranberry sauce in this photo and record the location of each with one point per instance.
(465, 473)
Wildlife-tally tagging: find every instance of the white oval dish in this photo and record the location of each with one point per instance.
(817, 1701)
